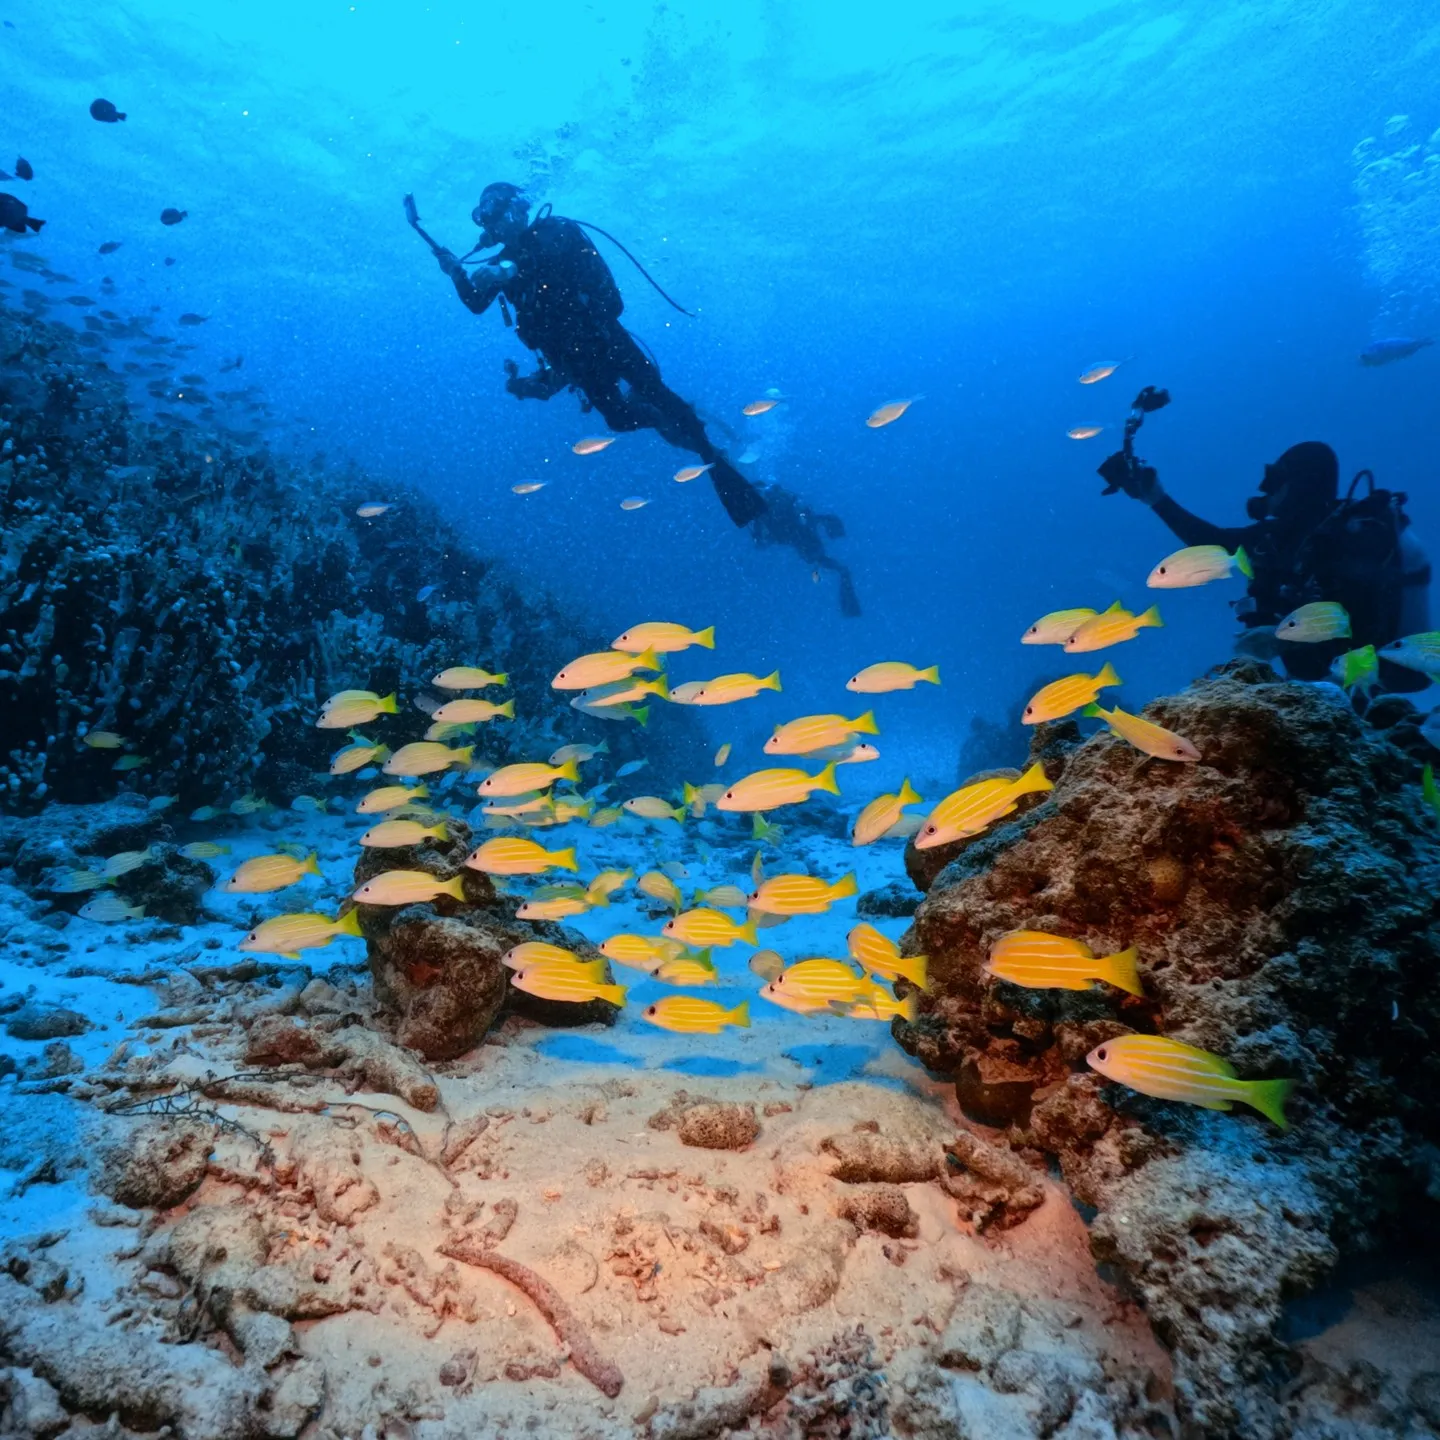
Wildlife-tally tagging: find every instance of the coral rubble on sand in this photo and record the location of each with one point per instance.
(1284, 897)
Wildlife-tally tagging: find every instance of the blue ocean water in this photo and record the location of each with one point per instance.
(970, 203)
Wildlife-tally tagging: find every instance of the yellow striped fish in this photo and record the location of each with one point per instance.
(357, 756)
(1145, 735)
(1051, 962)
(561, 907)
(709, 927)
(724, 689)
(539, 952)
(511, 780)
(688, 1016)
(663, 638)
(881, 956)
(662, 888)
(505, 856)
(880, 815)
(800, 894)
(288, 935)
(402, 832)
(723, 897)
(602, 667)
(571, 983)
(1320, 620)
(818, 732)
(467, 711)
(1056, 627)
(641, 952)
(408, 887)
(468, 677)
(972, 808)
(1171, 1070)
(424, 757)
(693, 970)
(890, 675)
(1063, 697)
(264, 873)
(809, 986)
(770, 789)
(1112, 627)
(390, 797)
(605, 884)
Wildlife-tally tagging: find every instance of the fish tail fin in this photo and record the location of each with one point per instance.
(501, 680)
(660, 688)
(825, 780)
(388, 705)
(1269, 1097)
(677, 813)
(349, 924)
(441, 832)
(690, 792)
(1092, 712)
(771, 681)
(311, 865)
(455, 887)
(843, 887)
(907, 794)
(1033, 781)
(568, 771)
(38, 225)
(1120, 970)
(1242, 563)
(865, 724)
(1150, 618)
(615, 994)
(740, 1015)
(1107, 677)
(641, 714)
(917, 971)
(908, 1007)
(705, 637)
(748, 932)
(381, 755)
(464, 755)
(565, 859)
(932, 674)
(507, 709)
(648, 659)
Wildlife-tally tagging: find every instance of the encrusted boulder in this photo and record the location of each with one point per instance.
(439, 964)
(1284, 898)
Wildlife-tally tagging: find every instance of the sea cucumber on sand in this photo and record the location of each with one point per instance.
(602, 1373)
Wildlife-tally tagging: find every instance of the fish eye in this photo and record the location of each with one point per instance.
(1162, 570)
(1100, 1054)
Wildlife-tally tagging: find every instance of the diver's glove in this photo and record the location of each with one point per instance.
(1138, 481)
(449, 263)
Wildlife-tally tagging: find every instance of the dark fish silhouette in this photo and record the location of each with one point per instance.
(169, 259)
(192, 379)
(171, 216)
(104, 111)
(1386, 352)
(24, 170)
(15, 215)
(189, 318)
(226, 366)
(81, 300)
(111, 246)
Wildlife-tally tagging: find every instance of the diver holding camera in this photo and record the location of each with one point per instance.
(1305, 543)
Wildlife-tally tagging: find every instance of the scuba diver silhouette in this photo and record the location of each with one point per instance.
(786, 520)
(567, 309)
(1305, 543)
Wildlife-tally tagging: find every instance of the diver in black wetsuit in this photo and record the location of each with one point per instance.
(567, 310)
(786, 520)
(1305, 544)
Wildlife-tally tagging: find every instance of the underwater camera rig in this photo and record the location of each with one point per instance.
(1121, 470)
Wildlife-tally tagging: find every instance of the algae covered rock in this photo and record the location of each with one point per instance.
(1284, 897)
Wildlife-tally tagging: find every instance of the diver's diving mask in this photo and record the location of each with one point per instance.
(495, 201)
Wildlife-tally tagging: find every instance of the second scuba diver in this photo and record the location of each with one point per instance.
(1305, 543)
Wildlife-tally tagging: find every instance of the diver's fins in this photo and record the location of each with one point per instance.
(849, 600)
(742, 501)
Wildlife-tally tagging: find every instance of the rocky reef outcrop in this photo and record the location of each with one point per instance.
(437, 966)
(1284, 897)
(199, 594)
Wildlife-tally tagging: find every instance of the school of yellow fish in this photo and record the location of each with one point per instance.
(614, 685)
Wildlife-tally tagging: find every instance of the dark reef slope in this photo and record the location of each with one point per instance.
(200, 597)
(1285, 899)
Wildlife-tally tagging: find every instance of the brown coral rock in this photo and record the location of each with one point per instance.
(718, 1126)
(156, 1164)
